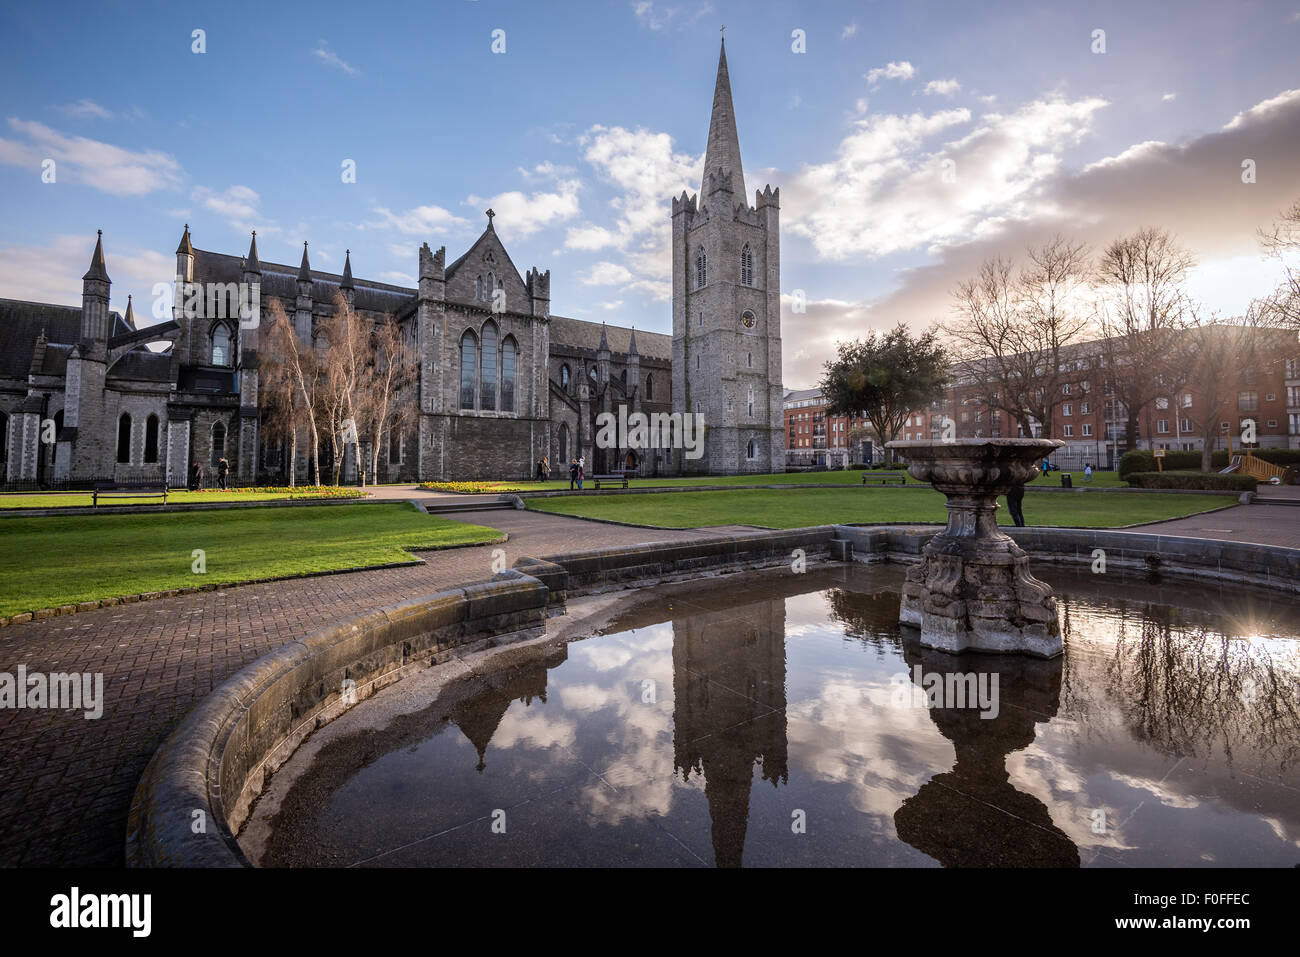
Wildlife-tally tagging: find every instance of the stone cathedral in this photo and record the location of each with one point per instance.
(86, 394)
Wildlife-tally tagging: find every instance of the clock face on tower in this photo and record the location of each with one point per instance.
(747, 319)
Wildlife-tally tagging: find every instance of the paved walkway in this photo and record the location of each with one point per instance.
(66, 782)
(1260, 524)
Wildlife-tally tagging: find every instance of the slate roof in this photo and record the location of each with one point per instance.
(20, 324)
(282, 281)
(580, 334)
(141, 365)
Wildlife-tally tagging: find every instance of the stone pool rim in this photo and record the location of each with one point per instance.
(214, 762)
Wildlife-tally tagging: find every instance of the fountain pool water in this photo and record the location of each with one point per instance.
(768, 718)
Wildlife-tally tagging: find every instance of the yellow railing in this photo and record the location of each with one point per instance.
(1259, 469)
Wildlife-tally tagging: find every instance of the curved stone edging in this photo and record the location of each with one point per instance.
(212, 767)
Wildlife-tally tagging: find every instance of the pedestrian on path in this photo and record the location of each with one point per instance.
(1087, 472)
(223, 469)
(573, 473)
(1015, 496)
(196, 477)
(582, 471)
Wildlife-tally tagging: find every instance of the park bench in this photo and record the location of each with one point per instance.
(884, 479)
(128, 490)
(610, 479)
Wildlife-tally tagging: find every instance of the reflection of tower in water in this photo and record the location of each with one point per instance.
(479, 716)
(729, 711)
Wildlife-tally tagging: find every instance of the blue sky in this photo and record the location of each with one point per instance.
(596, 113)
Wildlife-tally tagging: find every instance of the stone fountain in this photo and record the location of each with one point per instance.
(973, 590)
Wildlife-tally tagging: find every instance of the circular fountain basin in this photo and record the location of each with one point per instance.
(769, 718)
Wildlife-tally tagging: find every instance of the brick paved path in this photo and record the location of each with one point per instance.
(66, 782)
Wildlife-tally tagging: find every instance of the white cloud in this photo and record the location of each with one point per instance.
(606, 274)
(903, 70)
(616, 304)
(590, 237)
(52, 273)
(86, 108)
(665, 16)
(330, 58)
(518, 214)
(419, 221)
(1261, 111)
(942, 88)
(890, 189)
(398, 278)
(850, 31)
(1168, 97)
(108, 168)
(237, 205)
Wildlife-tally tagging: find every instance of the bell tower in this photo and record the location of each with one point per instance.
(727, 306)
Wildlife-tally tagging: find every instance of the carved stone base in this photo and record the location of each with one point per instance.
(986, 602)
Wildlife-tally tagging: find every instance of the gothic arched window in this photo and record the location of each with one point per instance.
(221, 353)
(508, 353)
(151, 439)
(488, 378)
(751, 450)
(478, 288)
(468, 368)
(124, 439)
(701, 270)
(565, 375)
(218, 443)
(649, 388)
(747, 266)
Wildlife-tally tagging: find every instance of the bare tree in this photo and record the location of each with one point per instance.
(1216, 355)
(344, 360)
(385, 397)
(1282, 242)
(301, 370)
(1014, 327)
(1142, 308)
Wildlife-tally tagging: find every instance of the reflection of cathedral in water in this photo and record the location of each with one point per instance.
(729, 711)
(479, 716)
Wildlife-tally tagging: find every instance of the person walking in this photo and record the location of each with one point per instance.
(573, 473)
(223, 469)
(1015, 496)
(196, 477)
(1087, 472)
(582, 471)
(538, 473)
(546, 468)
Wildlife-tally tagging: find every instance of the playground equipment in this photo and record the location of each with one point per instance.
(1247, 464)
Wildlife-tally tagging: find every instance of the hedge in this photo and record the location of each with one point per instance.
(1192, 480)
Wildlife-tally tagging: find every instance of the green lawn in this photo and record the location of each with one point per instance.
(838, 477)
(795, 508)
(60, 560)
(175, 497)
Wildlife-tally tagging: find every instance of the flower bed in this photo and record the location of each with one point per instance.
(300, 491)
(470, 488)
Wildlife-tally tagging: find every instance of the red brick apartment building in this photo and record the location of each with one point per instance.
(1088, 418)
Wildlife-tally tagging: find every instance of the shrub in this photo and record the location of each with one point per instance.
(1141, 460)
(1192, 480)
(859, 466)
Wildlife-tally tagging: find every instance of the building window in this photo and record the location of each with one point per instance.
(1067, 409)
(1087, 429)
(701, 272)
(468, 368)
(151, 439)
(751, 401)
(1247, 401)
(478, 288)
(221, 354)
(747, 266)
(124, 439)
(1270, 397)
(218, 443)
(649, 388)
(1069, 431)
(488, 379)
(565, 375)
(1187, 425)
(1065, 389)
(1084, 408)
(749, 360)
(508, 374)
(751, 450)
(1162, 425)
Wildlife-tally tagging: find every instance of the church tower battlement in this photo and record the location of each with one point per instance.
(727, 305)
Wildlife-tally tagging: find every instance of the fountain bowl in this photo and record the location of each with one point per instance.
(973, 590)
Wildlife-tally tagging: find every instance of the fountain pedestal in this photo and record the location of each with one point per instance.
(973, 590)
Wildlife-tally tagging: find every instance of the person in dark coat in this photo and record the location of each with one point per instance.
(1015, 496)
(573, 474)
(196, 477)
(223, 469)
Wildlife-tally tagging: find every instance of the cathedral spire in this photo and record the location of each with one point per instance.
(723, 151)
(97, 269)
(304, 271)
(252, 264)
(186, 248)
(130, 313)
(347, 272)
